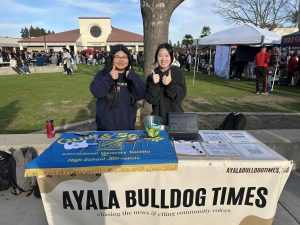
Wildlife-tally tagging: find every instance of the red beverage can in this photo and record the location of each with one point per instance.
(50, 128)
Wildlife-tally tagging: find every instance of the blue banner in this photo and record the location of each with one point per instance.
(109, 151)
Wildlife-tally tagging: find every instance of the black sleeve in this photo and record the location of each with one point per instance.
(152, 91)
(176, 90)
(138, 85)
(101, 84)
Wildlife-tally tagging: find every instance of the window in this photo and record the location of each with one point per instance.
(95, 31)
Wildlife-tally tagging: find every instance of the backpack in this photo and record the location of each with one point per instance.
(233, 121)
(19, 183)
(6, 163)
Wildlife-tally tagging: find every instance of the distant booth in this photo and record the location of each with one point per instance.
(248, 39)
(289, 44)
(292, 40)
(95, 33)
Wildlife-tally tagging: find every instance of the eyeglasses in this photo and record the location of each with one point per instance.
(121, 57)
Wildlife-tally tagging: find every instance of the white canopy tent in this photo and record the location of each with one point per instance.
(246, 34)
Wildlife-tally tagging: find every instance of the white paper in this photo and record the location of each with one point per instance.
(76, 145)
(188, 148)
(213, 136)
(239, 137)
(253, 150)
(214, 148)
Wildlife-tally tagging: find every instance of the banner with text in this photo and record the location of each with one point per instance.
(200, 192)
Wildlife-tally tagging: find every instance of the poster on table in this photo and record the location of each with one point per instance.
(207, 192)
(109, 151)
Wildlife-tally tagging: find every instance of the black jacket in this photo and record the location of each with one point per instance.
(121, 115)
(165, 99)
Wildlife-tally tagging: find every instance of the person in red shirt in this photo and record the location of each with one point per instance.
(261, 72)
(292, 67)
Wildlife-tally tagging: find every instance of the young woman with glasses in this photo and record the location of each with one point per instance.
(117, 88)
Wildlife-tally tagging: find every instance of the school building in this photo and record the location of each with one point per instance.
(93, 33)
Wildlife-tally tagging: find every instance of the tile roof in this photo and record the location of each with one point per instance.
(67, 36)
(116, 35)
(119, 35)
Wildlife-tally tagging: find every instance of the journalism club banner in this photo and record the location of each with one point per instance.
(199, 192)
(98, 152)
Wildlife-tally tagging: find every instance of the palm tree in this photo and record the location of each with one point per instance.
(205, 31)
(187, 40)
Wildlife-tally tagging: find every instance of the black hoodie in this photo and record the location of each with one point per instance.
(166, 98)
(122, 114)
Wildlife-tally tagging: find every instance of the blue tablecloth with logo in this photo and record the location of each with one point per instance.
(108, 151)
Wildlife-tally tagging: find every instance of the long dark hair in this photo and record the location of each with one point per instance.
(169, 49)
(109, 59)
(112, 94)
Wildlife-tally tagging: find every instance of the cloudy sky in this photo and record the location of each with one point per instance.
(62, 15)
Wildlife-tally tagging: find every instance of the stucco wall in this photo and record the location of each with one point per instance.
(85, 25)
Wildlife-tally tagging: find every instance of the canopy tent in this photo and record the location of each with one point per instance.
(291, 39)
(245, 34)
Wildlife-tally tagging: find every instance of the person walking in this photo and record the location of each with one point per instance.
(165, 87)
(117, 89)
(66, 58)
(261, 62)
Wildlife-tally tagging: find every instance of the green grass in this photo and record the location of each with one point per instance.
(26, 102)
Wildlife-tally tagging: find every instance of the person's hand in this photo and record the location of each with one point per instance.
(155, 77)
(127, 72)
(167, 78)
(114, 73)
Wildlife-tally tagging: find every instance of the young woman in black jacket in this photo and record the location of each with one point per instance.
(165, 87)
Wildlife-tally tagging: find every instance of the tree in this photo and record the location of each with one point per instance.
(156, 18)
(293, 13)
(262, 13)
(34, 32)
(205, 31)
(26, 32)
(187, 40)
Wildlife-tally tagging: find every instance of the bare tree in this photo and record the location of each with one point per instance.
(293, 12)
(262, 13)
(156, 18)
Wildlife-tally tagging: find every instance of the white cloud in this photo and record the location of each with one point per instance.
(13, 6)
(190, 17)
(13, 29)
(102, 7)
(9, 26)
